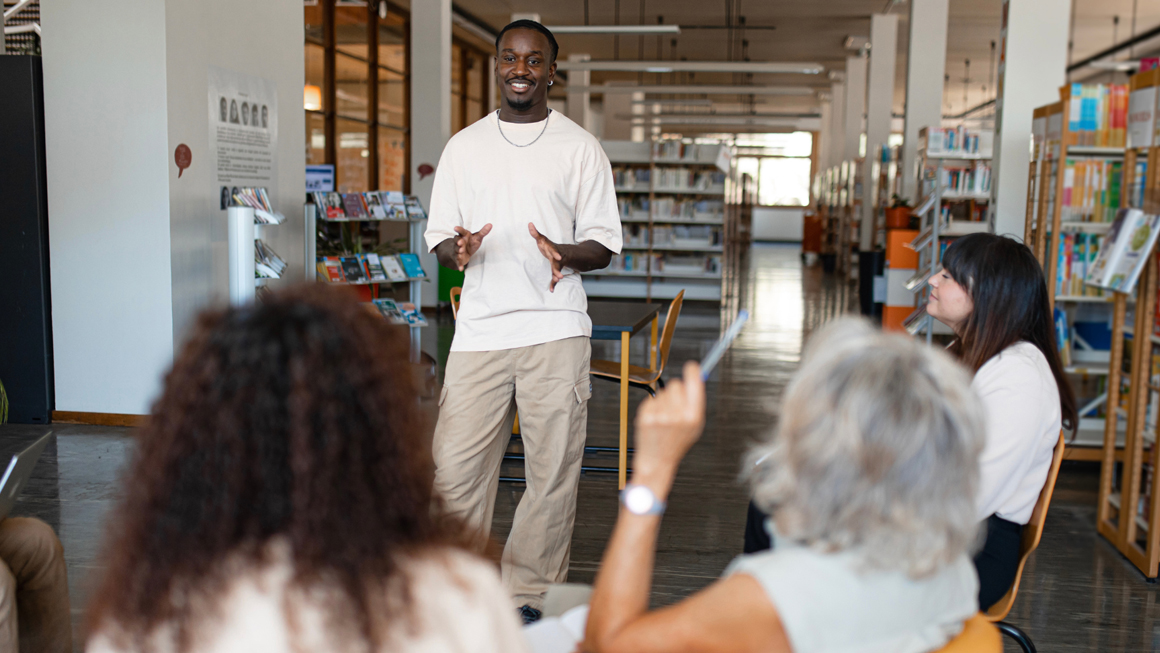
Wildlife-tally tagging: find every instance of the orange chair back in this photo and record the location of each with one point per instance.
(978, 636)
(1032, 533)
(668, 329)
(455, 293)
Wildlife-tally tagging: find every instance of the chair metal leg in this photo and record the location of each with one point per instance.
(1018, 635)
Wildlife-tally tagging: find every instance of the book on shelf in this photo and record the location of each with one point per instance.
(330, 269)
(414, 209)
(355, 206)
(413, 315)
(375, 205)
(390, 310)
(1125, 251)
(412, 266)
(1062, 335)
(970, 180)
(329, 205)
(1097, 114)
(352, 269)
(393, 268)
(1077, 254)
(259, 200)
(628, 177)
(374, 267)
(957, 141)
(1136, 190)
(267, 264)
(1091, 190)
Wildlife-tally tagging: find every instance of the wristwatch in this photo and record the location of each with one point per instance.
(640, 500)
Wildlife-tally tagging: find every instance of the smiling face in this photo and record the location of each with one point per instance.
(949, 302)
(523, 68)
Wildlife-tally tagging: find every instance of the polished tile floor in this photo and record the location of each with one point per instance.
(1078, 593)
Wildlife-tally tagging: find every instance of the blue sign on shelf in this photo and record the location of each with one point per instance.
(320, 177)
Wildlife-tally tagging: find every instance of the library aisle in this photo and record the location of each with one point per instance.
(1078, 593)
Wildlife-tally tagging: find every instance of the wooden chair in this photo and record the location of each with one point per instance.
(978, 636)
(1032, 533)
(643, 377)
(455, 293)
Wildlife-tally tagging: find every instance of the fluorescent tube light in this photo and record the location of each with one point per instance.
(615, 29)
(792, 67)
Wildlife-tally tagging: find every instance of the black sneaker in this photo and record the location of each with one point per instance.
(529, 614)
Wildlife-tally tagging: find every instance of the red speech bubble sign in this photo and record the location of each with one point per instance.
(425, 169)
(182, 156)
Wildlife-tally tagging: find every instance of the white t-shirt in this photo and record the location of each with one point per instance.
(457, 606)
(829, 602)
(1021, 405)
(563, 184)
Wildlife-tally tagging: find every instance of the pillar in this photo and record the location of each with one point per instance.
(925, 67)
(1031, 70)
(579, 103)
(855, 107)
(879, 102)
(837, 123)
(430, 104)
(825, 135)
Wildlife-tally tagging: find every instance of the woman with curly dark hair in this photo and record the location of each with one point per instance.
(280, 500)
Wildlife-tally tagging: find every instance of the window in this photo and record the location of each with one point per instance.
(356, 96)
(780, 164)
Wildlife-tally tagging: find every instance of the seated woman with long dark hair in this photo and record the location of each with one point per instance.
(280, 500)
(991, 292)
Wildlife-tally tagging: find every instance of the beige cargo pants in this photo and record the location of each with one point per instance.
(549, 386)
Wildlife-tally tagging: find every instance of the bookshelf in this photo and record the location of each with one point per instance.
(954, 186)
(841, 190)
(1127, 512)
(353, 243)
(1075, 185)
(672, 200)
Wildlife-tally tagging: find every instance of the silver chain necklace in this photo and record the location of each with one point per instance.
(499, 123)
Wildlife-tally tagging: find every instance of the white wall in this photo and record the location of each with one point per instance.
(221, 33)
(108, 201)
(776, 223)
(135, 251)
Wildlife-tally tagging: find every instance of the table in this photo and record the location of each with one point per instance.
(622, 320)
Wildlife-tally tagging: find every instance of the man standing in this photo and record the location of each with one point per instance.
(523, 201)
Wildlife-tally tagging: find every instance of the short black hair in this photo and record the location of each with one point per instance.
(529, 24)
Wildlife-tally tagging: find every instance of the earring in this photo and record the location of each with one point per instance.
(549, 82)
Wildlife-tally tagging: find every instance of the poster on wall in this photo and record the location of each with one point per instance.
(243, 131)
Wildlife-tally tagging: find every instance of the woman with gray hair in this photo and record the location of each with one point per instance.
(870, 481)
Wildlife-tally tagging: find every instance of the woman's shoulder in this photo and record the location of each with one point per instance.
(1016, 365)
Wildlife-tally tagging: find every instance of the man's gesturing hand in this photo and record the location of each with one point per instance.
(550, 252)
(467, 244)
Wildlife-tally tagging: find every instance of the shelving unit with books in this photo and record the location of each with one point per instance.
(349, 255)
(954, 186)
(252, 262)
(671, 196)
(1128, 511)
(1076, 183)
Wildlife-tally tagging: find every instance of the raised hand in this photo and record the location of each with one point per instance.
(550, 252)
(667, 425)
(467, 244)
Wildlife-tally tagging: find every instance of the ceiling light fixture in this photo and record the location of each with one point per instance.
(696, 66)
(701, 89)
(653, 30)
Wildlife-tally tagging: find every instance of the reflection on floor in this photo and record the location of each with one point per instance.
(1078, 593)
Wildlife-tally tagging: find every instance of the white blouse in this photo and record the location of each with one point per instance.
(457, 606)
(1021, 402)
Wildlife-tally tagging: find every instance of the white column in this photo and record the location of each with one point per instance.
(855, 107)
(879, 102)
(579, 103)
(1030, 73)
(925, 67)
(825, 136)
(430, 104)
(837, 123)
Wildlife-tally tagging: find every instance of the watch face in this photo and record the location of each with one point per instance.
(639, 500)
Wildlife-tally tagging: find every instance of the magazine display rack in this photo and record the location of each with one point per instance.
(414, 222)
(1076, 182)
(674, 215)
(251, 260)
